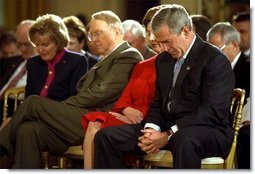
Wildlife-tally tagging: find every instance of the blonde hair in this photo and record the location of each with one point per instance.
(52, 25)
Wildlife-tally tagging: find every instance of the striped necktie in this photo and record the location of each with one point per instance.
(15, 80)
(176, 71)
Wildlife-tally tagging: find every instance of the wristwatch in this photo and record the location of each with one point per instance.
(169, 134)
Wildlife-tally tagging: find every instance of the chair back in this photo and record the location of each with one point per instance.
(18, 94)
(236, 110)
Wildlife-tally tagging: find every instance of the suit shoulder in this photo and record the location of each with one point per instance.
(149, 61)
(35, 59)
(75, 56)
(131, 52)
(213, 53)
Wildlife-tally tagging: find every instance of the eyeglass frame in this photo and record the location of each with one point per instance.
(96, 34)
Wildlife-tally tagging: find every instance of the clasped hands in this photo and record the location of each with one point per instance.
(152, 141)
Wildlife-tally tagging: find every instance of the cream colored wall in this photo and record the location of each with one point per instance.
(214, 9)
(88, 7)
(192, 6)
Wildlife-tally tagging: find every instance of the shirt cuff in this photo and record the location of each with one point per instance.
(153, 126)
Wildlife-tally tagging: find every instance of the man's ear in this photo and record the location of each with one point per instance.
(186, 30)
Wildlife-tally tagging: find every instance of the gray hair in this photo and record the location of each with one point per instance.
(174, 16)
(134, 27)
(27, 22)
(227, 32)
(110, 18)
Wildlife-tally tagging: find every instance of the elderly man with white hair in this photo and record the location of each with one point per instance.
(134, 34)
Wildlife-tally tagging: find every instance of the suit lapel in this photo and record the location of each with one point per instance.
(89, 77)
(166, 64)
(187, 66)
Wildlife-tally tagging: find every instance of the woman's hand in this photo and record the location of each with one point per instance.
(134, 115)
(121, 117)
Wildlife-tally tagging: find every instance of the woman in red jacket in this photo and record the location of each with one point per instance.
(132, 106)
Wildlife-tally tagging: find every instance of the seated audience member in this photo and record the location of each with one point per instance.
(134, 34)
(41, 124)
(131, 107)
(11, 56)
(241, 21)
(146, 22)
(27, 51)
(78, 34)
(54, 73)
(190, 110)
(8, 44)
(201, 25)
(224, 36)
(16, 76)
(90, 46)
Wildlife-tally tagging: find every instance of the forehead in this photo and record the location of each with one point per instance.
(216, 39)
(42, 37)
(163, 33)
(96, 24)
(244, 25)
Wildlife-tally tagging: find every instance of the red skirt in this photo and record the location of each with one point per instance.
(106, 118)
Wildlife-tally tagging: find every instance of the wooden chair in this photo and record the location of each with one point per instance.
(76, 152)
(16, 94)
(164, 158)
(73, 152)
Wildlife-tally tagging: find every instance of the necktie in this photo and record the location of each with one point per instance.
(176, 71)
(177, 68)
(15, 80)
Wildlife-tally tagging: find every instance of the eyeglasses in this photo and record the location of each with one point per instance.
(222, 48)
(95, 34)
(25, 44)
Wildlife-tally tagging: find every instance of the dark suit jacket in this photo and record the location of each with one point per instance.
(202, 92)
(8, 67)
(67, 73)
(104, 82)
(242, 74)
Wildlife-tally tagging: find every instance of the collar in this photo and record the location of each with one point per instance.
(191, 45)
(235, 60)
(57, 58)
(112, 50)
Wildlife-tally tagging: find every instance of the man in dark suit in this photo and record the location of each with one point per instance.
(226, 37)
(42, 124)
(191, 116)
(12, 73)
(241, 21)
